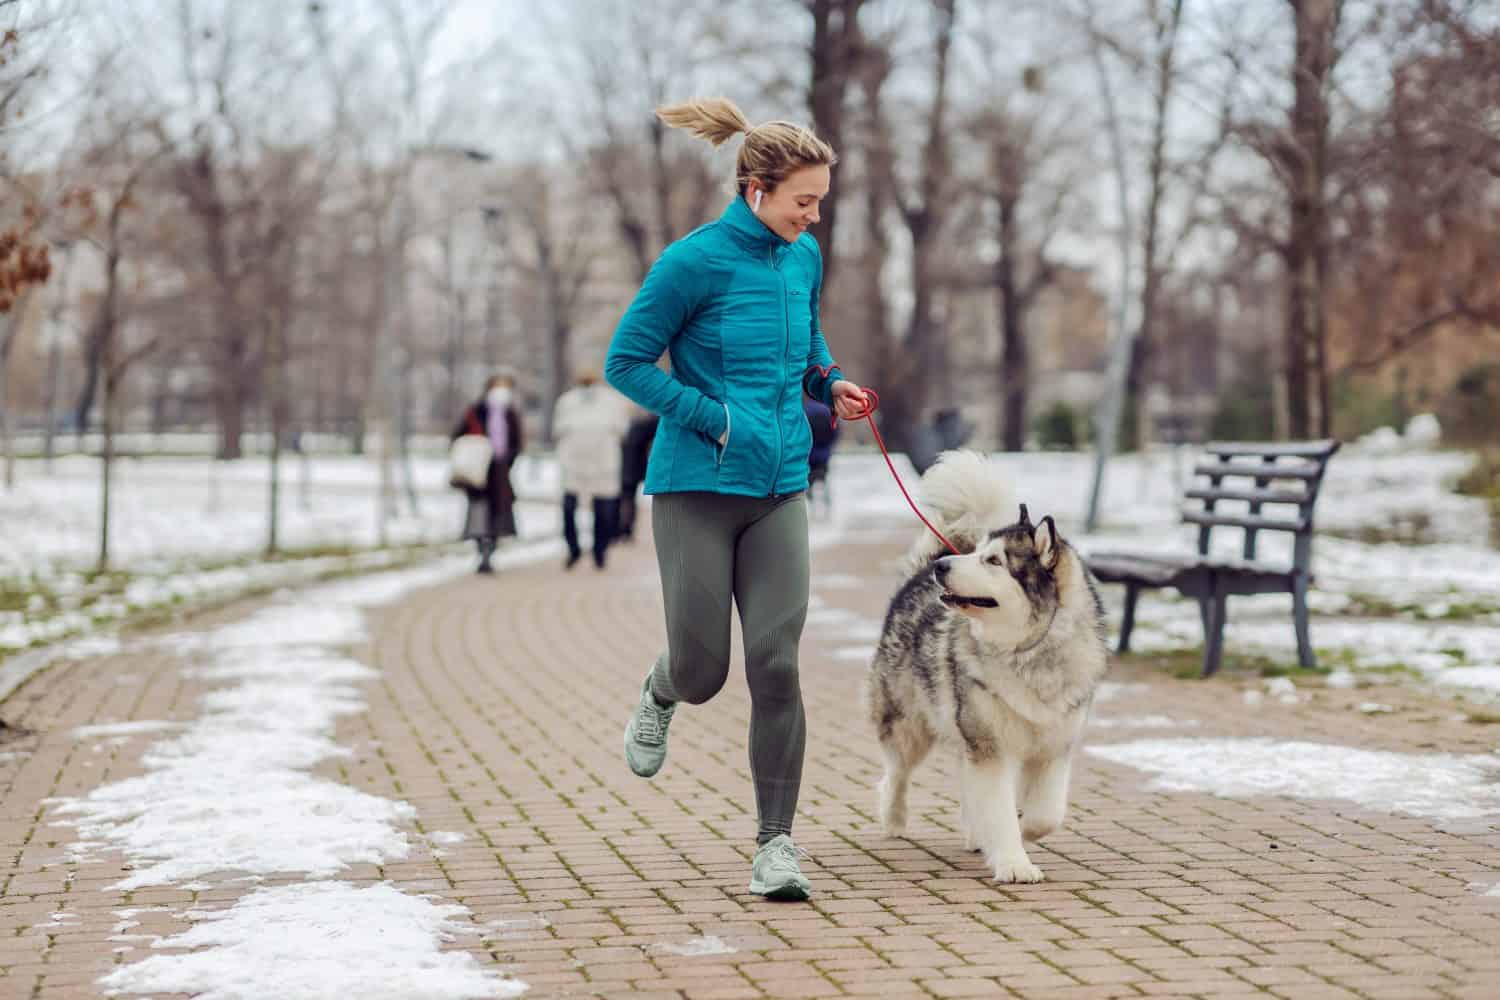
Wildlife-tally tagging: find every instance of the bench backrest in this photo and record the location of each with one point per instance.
(1282, 476)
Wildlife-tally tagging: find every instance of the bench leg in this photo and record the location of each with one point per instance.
(1213, 611)
(1127, 622)
(1299, 618)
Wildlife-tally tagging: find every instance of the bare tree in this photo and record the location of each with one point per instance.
(836, 50)
(633, 58)
(1420, 227)
(561, 263)
(25, 260)
(1022, 168)
(120, 170)
(878, 149)
(923, 207)
(1302, 162)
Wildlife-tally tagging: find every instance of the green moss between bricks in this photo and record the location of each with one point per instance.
(1188, 664)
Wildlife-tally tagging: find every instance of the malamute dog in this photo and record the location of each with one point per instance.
(997, 652)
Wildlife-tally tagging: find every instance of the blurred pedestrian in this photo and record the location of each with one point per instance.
(634, 453)
(825, 434)
(491, 513)
(589, 423)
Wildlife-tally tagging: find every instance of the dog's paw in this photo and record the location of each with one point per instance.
(1019, 870)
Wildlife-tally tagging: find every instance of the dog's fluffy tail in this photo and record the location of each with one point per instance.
(965, 496)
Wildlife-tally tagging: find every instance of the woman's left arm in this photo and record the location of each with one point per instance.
(822, 379)
(820, 371)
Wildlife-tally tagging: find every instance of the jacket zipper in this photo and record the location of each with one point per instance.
(786, 325)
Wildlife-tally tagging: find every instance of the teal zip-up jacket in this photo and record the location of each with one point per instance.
(736, 307)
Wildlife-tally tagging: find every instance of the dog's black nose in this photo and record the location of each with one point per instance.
(942, 567)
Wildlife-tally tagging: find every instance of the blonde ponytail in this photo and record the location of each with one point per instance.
(713, 118)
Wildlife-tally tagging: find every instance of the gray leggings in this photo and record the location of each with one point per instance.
(712, 547)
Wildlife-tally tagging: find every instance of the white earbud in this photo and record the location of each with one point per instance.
(756, 206)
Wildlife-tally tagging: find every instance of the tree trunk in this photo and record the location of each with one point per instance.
(230, 407)
(877, 309)
(107, 462)
(54, 373)
(1107, 415)
(888, 372)
(273, 500)
(835, 50)
(926, 340)
(84, 408)
(1156, 171)
(8, 325)
(662, 181)
(1305, 165)
(106, 338)
(1013, 360)
(559, 344)
(276, 417)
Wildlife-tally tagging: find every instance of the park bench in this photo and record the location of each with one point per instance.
(1282, 477)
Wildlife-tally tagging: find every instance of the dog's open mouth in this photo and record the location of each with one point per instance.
(960, 601)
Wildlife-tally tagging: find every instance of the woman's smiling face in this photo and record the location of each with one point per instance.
(793, 206)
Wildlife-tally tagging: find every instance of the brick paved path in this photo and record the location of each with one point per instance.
(498, 715)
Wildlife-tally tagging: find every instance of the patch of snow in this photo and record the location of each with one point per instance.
(1282, 689)
(1477, 678)
(109, 729)
(1374, 708)
(1113, 691)
(1341, 679)
(1142, 722)
(512, 925)
(320, 940)
(696, 947)
(1436, 786)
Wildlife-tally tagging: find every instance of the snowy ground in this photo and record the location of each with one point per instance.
(1407, 577)
(175, 509)
(188, 530)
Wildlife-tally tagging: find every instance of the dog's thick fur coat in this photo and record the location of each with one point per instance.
(996, 651)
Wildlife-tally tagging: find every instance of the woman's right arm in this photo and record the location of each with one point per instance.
(663, 306)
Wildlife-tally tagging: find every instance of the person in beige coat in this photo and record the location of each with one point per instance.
(589, 423)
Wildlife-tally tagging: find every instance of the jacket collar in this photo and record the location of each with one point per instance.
(748, 231)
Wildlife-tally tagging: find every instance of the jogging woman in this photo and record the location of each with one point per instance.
(735, 304)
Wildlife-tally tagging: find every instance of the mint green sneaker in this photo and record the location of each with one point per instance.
(775, 873)
(646, 734)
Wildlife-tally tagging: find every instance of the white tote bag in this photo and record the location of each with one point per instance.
(469, 461)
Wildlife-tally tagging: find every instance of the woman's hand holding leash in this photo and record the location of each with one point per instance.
(851, 402)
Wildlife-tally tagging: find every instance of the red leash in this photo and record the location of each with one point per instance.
(871, 405)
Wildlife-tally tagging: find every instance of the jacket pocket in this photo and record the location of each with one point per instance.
(799, 323)
(721, 448)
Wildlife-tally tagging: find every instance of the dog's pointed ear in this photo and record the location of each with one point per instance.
(1048, 548)
(1025, 521)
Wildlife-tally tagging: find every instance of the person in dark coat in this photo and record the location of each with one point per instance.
(634, 451)
(825, 434)
(491, 514)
